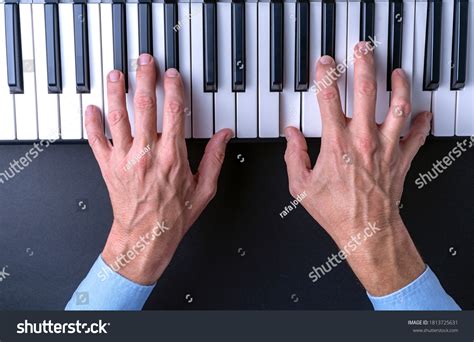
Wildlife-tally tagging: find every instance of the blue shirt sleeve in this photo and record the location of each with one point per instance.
(424, 293)
(104, 289)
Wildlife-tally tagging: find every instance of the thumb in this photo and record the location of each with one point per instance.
(297, 159)
(211, 163)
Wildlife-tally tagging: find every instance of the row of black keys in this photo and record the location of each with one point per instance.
(395, 38)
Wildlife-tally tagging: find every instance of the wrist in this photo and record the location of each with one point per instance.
(383, 256)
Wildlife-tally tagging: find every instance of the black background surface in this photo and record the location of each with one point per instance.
(39, 210)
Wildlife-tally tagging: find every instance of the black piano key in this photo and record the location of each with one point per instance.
(81, 46)
(210, 45)
(238, 46)
(171, 35)
(432, 65)
(367, 20)
(459, 52)
(395, 39)
(145, 27)
(276, 45)
(53, 53)
(328, 28)
(302, 46)
(119, 27)
(13, 48)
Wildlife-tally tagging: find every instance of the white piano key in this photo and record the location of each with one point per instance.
(247, 101)
(421, 100)
(25, 104)
(107, 55)
(381, 54)
(224, 110)
(159, 54)
(48, 104)
(353, 33)
(268, 102)
(311, 115)
(465, 100)
(95, 97)
(184, 42)
(69, 101)
(341, 47)
(202, 103)
(7, 114)
(289, 98)
(444, 100)
(408, 45)
(133, 53)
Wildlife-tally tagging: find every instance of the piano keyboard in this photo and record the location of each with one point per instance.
(248, 66)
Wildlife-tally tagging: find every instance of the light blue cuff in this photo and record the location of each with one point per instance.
(104, 289)
(424, 293)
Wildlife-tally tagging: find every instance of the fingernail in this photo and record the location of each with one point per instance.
(172, 72)
(288, 133)
(228, 137)
(402, 74)
(89, 110)
(429, 115)
(144, 59)
(114, 76)
(326, 60)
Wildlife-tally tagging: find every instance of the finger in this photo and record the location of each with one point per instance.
(328, 95)
(101, 147)
(297, 159)
(400, 106)
(211, 163)
(117, 116)
(365, 88)
(416, 137)
(145, 100)
(173, 113)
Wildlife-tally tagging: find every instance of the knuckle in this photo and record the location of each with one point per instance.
(218, 157)
(115, 116)
(210, 190)
(295, 188)
(367, 88)
(95, 140)
(329, 94)
(367, 145)
(144, 102)
(174, 107)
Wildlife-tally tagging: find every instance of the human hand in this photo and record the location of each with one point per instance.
(155, 197)
(359, 174)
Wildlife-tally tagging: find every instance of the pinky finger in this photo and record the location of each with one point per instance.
(412, 143)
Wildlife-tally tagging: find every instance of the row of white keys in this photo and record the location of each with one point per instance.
(107, 56)
(202, 102)
(444, 100)
(310, 113)
(247, 101)
(132, 54)
(159, 54)
(69, 101)
(421, 100)
(25, 104)
(224, 106)
(184, 22)
(7, 114)
(268, 102)
(289, 98)
(95, 97)
(465, 97)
